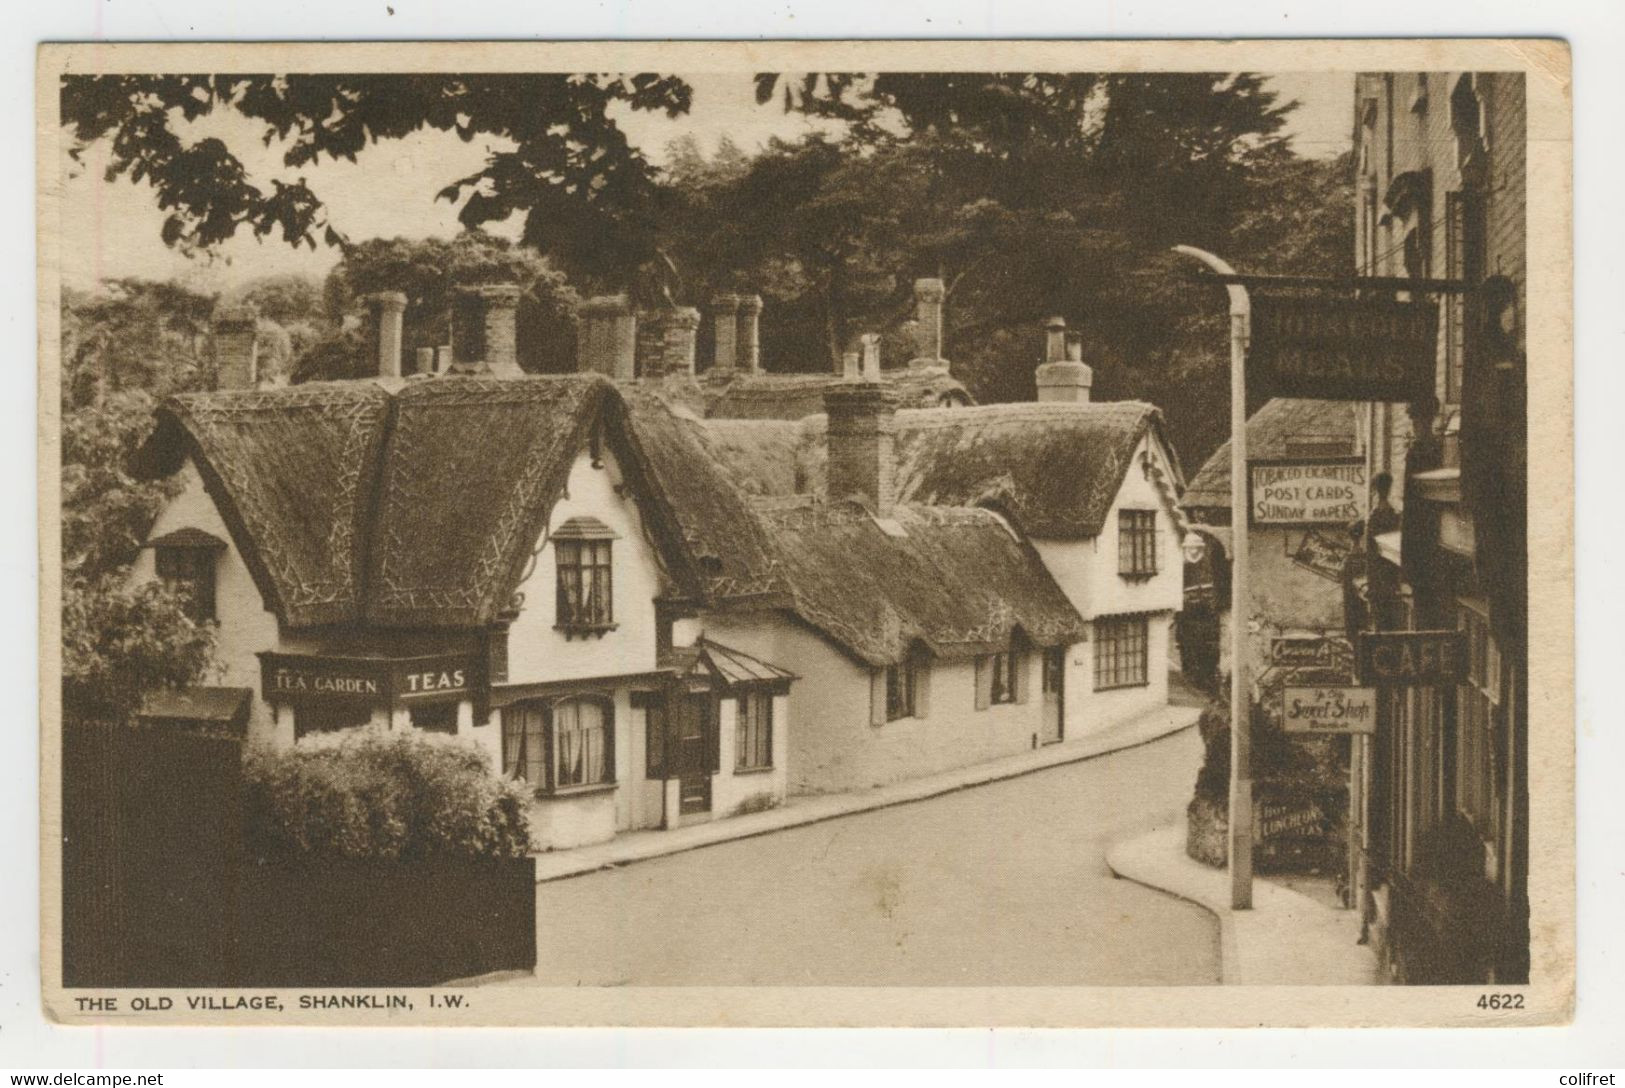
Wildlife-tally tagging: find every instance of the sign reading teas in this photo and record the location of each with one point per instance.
(1319, 491)
(324, 678)
(1329, 710)
(1344, 349)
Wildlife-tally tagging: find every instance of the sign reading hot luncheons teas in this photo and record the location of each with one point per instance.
(318, 678)
(1329, 710)
(1316, 491)
(1344, 349)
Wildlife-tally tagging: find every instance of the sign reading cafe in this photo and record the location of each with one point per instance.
(1307, 491)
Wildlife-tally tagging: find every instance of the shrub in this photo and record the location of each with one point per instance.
(370, 793)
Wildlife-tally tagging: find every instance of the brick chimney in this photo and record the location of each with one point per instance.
(236, 354)
(862, 444)
(1063, 377)
(665, 340)
(851, 366)
(724, 310)
(869, 365)
(424, 361)
(484, 329)
(385, 309)
(607, 343)
(928, 296)
(749, 344)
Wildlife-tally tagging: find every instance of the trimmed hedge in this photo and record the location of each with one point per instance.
(371, 793)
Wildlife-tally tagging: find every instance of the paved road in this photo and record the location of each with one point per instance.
(1003, 884)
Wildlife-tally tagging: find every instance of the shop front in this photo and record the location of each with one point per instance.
(313, 694)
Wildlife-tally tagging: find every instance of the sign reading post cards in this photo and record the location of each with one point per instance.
(1333, 711)
(1306, 491)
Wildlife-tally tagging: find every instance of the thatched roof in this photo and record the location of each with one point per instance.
(419, 508)
(1268, 432)
(957, 581)
(1055, 468)
(793, 396)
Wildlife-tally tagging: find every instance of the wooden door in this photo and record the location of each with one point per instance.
(694, 751)
(1052, 729)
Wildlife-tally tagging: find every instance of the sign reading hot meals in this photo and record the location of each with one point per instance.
(1344, 349)
(1310, 491)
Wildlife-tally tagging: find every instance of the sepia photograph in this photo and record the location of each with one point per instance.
(528, 533)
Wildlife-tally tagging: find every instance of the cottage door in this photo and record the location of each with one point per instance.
(695, 746)
(1051, 728)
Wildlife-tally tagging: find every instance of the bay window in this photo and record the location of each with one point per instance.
(560, 745)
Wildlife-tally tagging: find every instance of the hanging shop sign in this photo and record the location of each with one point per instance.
(328, 679)
(1404, 658)
(1302, 652)
(1323, 555)
(1306, 491)
(1299, 830)
(1344, 349)
(1329, 711)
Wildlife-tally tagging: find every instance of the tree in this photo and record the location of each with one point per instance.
(586, 194)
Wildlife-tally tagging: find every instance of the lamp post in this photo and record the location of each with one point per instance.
(1241, 780)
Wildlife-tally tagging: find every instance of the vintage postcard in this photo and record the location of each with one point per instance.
(821, 533)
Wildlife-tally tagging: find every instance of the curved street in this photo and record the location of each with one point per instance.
(1002, 884)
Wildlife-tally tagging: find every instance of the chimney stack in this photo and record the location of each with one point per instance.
(928, 296)
(1063, 377)
(484, 334)
(424, 361)
(749, 344)
(608, 338)
(385, 310)
(862, 444)
(665, 341)
(236, 356)
(851, 364)
(870, 366)
(725, 325)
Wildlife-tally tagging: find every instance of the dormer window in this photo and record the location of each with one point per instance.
(1136, 543)
(185, 561)
(585, 599)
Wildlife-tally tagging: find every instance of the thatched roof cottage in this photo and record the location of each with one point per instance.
(653, 616)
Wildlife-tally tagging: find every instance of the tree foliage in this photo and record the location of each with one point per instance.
(587, 195)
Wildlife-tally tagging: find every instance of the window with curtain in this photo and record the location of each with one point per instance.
(567, 744)
(1122, 652)
(753, 733)
(999, 679)
(585, 587)
(1136, 543)
(191, 571)
(900, 685)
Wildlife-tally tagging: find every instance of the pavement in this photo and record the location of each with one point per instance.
(1286, 939)
(634, 846)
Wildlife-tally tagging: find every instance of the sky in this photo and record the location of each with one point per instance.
(111, 229)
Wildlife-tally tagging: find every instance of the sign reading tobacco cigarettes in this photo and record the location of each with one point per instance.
(1344, 349)
(1311, 491)
(1329, 710)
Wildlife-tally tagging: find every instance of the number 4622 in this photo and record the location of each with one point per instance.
(1500, 1001)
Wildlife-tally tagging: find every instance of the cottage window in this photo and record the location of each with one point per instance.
(189, 570)
(999, 679)
(1122, 652)
(585, 590)
(560, 745)
(440, 718)
(900, 688)
(753, 734)
(329, 718)
(1136, 543)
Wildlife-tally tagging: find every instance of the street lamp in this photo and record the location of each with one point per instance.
(1194, 547)
(1241, 781)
